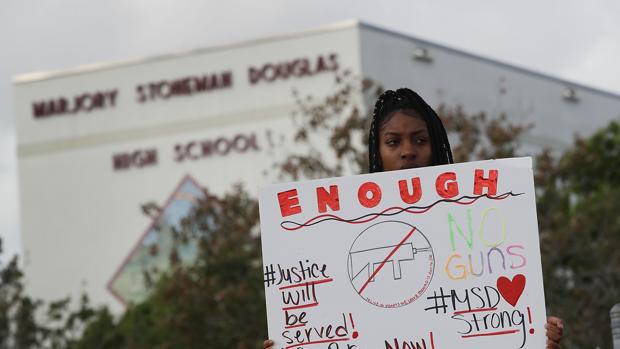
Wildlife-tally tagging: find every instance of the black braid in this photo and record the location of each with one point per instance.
(404, 99)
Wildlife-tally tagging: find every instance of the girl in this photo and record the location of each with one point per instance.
(407, 133)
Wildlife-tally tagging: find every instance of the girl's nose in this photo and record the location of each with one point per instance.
(408, 150)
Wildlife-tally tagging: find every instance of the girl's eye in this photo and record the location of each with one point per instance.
(391, 141)
(421, 140)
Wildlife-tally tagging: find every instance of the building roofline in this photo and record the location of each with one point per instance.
(489, 60)
(95, 67)
(347, 24)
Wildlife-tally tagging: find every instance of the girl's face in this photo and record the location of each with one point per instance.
(404, 143)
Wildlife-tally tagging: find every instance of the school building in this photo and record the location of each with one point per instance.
(96, 143)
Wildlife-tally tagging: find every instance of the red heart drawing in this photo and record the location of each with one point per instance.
(511, 290)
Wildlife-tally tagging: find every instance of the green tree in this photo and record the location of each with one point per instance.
(580, 235)
(29, 323)
(216, 302)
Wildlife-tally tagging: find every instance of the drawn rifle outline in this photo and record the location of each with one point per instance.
(406, 252)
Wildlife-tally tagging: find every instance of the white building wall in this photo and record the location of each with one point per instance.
(80, 217)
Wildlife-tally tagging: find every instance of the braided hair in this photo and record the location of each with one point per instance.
(410, 103)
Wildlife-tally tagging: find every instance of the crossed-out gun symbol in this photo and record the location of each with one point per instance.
(363, 259)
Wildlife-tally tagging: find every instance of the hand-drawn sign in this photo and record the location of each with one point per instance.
(437, 257)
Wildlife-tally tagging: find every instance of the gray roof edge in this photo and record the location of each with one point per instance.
(93, 67)
(346, 24)
(490, 60)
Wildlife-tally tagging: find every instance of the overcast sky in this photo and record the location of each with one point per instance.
(569, 39)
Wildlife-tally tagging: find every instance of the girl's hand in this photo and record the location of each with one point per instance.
(268, 344)
(555, 330)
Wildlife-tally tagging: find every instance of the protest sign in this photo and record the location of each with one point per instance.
(435, 257)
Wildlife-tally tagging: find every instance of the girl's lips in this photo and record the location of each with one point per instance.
(409, 165)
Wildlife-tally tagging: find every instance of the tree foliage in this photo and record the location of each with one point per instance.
(580, 235)
(28, 323)
(218, 301)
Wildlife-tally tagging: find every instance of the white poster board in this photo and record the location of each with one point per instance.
(436, 257)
